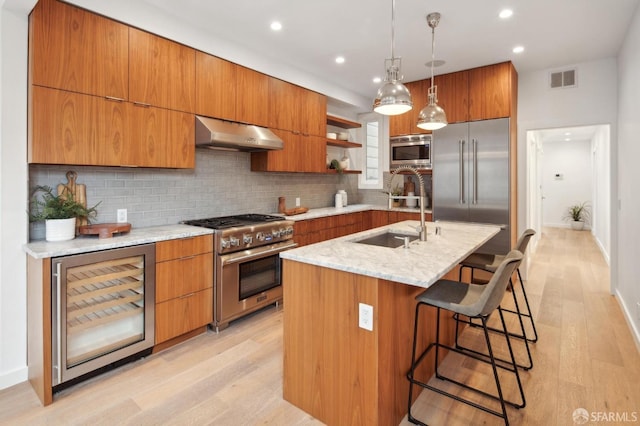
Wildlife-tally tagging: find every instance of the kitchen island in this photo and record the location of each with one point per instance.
(337, 371)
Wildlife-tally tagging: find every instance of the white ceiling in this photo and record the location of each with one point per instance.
(554, 33)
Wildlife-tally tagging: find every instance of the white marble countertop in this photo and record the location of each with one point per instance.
(89, 243)
(421, 265)
(353, 208)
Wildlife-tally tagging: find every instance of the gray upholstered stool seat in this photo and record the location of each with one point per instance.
(489, 263)
(476, 302)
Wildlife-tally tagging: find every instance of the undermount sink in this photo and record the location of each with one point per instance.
(388, 239)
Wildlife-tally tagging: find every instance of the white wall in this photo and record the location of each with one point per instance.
(572, 161)
(13, 194)
(592, 102)
(627, 287)
(601, 216)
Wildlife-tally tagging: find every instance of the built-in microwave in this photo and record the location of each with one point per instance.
(410, 150)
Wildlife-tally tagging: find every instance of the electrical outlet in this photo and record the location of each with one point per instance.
(365, 316)
(297, 201)
(122, 215)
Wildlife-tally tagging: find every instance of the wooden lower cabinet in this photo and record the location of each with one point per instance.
(184, 286)
(325, 228)
(183, 314)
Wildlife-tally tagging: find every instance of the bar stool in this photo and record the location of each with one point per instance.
(489, 263)
(476, 302)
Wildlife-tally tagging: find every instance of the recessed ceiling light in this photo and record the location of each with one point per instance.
(377, 80)
(340, 60)
(505, 13)
(567, 139)
(567, 134)
(276, 26)
(518, 49)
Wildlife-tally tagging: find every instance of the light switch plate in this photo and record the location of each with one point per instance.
(365, 316)
(297, 201)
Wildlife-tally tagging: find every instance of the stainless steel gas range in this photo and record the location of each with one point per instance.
(247, 265)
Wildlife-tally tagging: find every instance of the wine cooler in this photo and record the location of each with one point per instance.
(103, 309)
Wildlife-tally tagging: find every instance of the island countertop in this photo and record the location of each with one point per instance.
(423, 263)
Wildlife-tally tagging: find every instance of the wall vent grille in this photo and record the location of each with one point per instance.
(565, 78)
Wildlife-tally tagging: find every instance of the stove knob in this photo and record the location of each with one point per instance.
(275, 233)
(224, 243)
(289, 230)
(247, 239)
(233, 241)
(260, 236)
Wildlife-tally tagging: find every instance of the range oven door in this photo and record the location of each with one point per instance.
(247, 281)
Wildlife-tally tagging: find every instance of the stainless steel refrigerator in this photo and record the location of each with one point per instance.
(471, 176)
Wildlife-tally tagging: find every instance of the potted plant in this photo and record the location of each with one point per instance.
(578, 214)
(59, 212)
(396, 191)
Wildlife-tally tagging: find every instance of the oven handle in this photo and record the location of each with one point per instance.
(255, 253)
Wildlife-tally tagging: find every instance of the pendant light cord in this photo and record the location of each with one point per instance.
(393, 25)
(433, 55)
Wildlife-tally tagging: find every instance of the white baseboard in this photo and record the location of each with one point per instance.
(604, 252)
(635, 332)
(10, 378)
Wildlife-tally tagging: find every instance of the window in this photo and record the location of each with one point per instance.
(373, 151)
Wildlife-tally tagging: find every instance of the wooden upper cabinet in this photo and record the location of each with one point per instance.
(296, 109)
(407, 123)
(252, 97)
(301, 153)
(216, 87)
(76, 129)
(160, 137)
(313, 118)
(76, 50)
(284, 105)
(72, 128)
(162, 72)
(490, 91)
(453, 95)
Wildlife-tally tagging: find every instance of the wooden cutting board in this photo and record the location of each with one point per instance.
(104, 230)
(77, 190)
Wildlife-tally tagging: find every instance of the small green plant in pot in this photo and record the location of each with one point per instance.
(396, 191)
(578, 214)
(59, 212)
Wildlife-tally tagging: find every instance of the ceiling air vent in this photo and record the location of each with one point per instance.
(566, 78)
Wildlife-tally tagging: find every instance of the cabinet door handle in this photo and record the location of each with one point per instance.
(474, 144)
(184, 296)
(113, 98)
(58, 323)
(461, 169)
(141, 104)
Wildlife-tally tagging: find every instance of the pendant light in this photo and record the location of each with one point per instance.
(432, 117)
(393, 97)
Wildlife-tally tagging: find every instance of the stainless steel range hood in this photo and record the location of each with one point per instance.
(227, 135)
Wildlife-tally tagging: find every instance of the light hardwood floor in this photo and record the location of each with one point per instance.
(585, 358)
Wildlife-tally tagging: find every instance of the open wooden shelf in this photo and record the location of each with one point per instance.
(343, 144)
(342, 122)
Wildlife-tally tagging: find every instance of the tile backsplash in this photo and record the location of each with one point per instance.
(221, 184)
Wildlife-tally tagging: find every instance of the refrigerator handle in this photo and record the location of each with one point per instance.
(474, 197)
(461, 169)
(58, 328)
